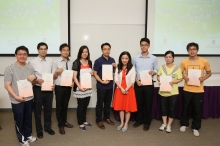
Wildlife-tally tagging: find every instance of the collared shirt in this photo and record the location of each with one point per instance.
(145, 63)
(60, 63)
(98, 67)
(41, 66)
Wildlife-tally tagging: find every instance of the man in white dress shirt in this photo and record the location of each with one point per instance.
(42, 64)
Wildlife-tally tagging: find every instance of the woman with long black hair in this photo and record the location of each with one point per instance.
(124, 98)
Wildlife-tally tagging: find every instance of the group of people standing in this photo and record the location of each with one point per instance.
(130, 94)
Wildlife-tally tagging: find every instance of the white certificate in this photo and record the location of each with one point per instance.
(194, 75)
(146, 79)
(85, 80)
(48, 82)
(165, 83)
(66, 78)
(25, 88)
(107, 72)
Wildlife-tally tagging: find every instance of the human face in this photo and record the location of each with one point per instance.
(65, 52)
(144, 47)
(85, 53)
(192, 51)
(106, 50)
(42, 51)
(124, 59)
(169, 59)
(21, 56)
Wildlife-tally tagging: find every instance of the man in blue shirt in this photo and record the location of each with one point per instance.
(144, 93)
(104, 87)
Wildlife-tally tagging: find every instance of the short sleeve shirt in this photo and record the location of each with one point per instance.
(176, 75)
(14, 73)
(202, 64)
(98, 67)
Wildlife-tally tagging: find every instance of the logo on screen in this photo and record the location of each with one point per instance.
(48, 1)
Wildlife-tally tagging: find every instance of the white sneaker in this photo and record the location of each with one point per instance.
(25, 143)
(195, 132)
(162, 127)
(183, 128)
(168, 130)
(32, 139)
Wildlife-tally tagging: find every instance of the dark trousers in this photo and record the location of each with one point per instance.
(168, 105)
(196, 100)
(62, 101)
(144, 97)
(82, 104)
(103, 96)
(23, 119)
(45, 99)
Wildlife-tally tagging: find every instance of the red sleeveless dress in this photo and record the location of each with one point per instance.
(126, 102)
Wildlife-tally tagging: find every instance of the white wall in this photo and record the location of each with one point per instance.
(121, 23)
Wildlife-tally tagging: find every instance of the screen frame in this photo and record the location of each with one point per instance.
(51, 55)
(146, 34)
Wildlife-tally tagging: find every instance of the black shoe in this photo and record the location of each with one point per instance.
(40, 134)
(51, 132)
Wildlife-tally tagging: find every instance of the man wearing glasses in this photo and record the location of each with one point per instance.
(144, 93)
(42, 64)
(22, 107)
(193, 94)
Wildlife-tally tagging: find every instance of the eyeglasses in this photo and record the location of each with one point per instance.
(42, 49)
(145, 45)
(194, 49)
(22, 55)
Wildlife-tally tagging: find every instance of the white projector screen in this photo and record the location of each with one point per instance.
(172, 24)
(29, 22)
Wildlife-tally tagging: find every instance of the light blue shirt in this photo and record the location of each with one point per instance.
(144, 63)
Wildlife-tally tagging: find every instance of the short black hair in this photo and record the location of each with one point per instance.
(64, 45)
(170, 52)
(21, 48)
(145, 40)
(104, 45)
(192, 44)
(41, 44)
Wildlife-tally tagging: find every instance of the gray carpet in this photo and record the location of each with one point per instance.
(209, 134)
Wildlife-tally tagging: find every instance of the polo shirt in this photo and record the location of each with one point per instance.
(98, 67)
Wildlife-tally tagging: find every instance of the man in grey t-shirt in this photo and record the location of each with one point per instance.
(21, 106)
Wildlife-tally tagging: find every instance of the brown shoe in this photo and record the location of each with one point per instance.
(136, 124)
(61, 130)
(146, 128)
(100, 125)
(110, 122)
(68, 125)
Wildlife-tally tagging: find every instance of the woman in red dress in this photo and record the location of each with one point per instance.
(124, 98)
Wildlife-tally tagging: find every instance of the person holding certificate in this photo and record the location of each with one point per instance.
(63, 91)
(193, 92)
(18, 80)
(43, 95)
(83, 88)
(124, 98)
(168, 76)
(146, 67)
(103, 72)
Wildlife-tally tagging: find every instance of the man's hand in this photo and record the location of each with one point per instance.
(40, 81)
(139, 83)
(31, 78)
(105, 81)
(186, 79)
(20, 99)
(201, 79)
(151, 72)
(59, 70)
(114, 65)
